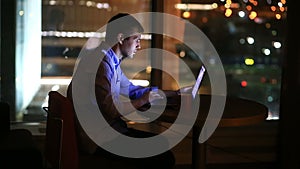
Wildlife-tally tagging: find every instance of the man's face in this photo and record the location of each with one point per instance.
(131, 45)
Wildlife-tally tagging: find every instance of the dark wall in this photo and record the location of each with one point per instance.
(7, 56)
(289, 150)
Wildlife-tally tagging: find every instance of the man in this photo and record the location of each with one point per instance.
(122, 40)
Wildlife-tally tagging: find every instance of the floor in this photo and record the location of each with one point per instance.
(251, 147)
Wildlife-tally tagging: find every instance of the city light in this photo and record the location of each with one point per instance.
(250, 40)
(228, 12)
(266, 51)
(252, 15)
(241, 14)
(73, 34)
(182, 53)
(93, 4)
(244, 83)
(21, 12)
(242, 41)
(186, 14)
(249, 61)
(148, 69)
(276, 45)
(196, 6)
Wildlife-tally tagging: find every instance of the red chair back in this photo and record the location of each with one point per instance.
(53, 144)
(61, 107)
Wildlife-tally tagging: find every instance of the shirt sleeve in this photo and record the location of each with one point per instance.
(136, 92)
(133, 91)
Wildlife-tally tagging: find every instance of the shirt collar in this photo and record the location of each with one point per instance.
(110, 53)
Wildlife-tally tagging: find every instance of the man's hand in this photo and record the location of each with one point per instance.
(154, 96)
(186, 89)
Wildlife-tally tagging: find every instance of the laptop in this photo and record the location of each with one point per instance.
(193, 92)
(159, 104)
(198, 81)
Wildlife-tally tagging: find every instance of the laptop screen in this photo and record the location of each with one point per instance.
(198, 81)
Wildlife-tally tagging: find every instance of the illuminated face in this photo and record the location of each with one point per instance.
(130, 45)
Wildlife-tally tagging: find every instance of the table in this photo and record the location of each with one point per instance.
(237, 112)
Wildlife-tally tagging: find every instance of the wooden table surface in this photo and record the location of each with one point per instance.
(237, 112)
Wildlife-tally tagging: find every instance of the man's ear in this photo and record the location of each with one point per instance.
(120, 38)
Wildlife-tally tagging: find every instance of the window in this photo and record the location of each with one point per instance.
(247, 35)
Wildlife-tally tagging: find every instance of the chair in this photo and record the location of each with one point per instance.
(61, 148)
(53, 144)
(60, 145)
(17, 146)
